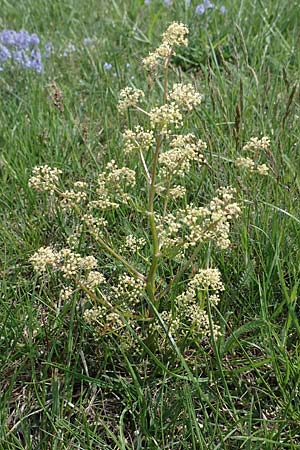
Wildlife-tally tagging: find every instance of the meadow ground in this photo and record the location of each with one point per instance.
(60, 387)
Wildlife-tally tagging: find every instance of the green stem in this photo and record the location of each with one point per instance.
(166, 79)
(150, 284)
(118, 257)
(110, 250)
(167, 198)
(187, 263)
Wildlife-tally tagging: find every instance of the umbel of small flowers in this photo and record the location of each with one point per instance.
(177, 230)
(258, 149)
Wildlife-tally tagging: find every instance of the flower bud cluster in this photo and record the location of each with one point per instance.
(248, 164)
(193, 225)
(133, 243)
(127, 295)
(204, 287)
(185, 96)
(103, 321)
(166, 115)
(71, 265)
(70, 199)
(184, 149)
(177, 191)
(254, 146)
(163, 52)
(129, 97)
(95, 224)
(129, 290)
(174, 36)
(112, 185)
(44, 258)
(94, 279)
(44, 179)
(137, 139)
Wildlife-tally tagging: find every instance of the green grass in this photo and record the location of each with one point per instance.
(61, 390)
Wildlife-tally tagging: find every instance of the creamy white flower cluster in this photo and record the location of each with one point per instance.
(255, 146)
(129, 290)
(129, 97)
(185, 96)
(204, 287)
(189, 320)
(70, 264)
(137, 139)
(192, 225)
(95, 224)
(166, 115)
(44, 179)
(133, 243)
(127, 295)
(71, 198)
(248, 164)
(175, 35)
(184, 150)
(113, 183)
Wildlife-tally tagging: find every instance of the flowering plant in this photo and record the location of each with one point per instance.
(154, 284)
(22, 48)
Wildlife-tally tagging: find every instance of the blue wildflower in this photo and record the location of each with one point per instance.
(208, 4)
(8, 37)
(48, 49)
(223, 10)
(88, 41)
(4, 53)
(200, 9)
(107, 66)
(22, 48)
(34, 40)
(36, 60)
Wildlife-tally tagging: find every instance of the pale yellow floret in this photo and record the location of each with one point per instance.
(94, 279)
(137, 139)
(176, 34)
(166, 115)
(257, 144)
(129, 97)
(133, 243)
(66, 293)
(177, 192)
(130, 288)
(71, 199)
(184, 149)
(44, 179)
(262, 169)
(44, 258)
(245, 163)
(96, 224)
(185, 96)
(249, 164)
